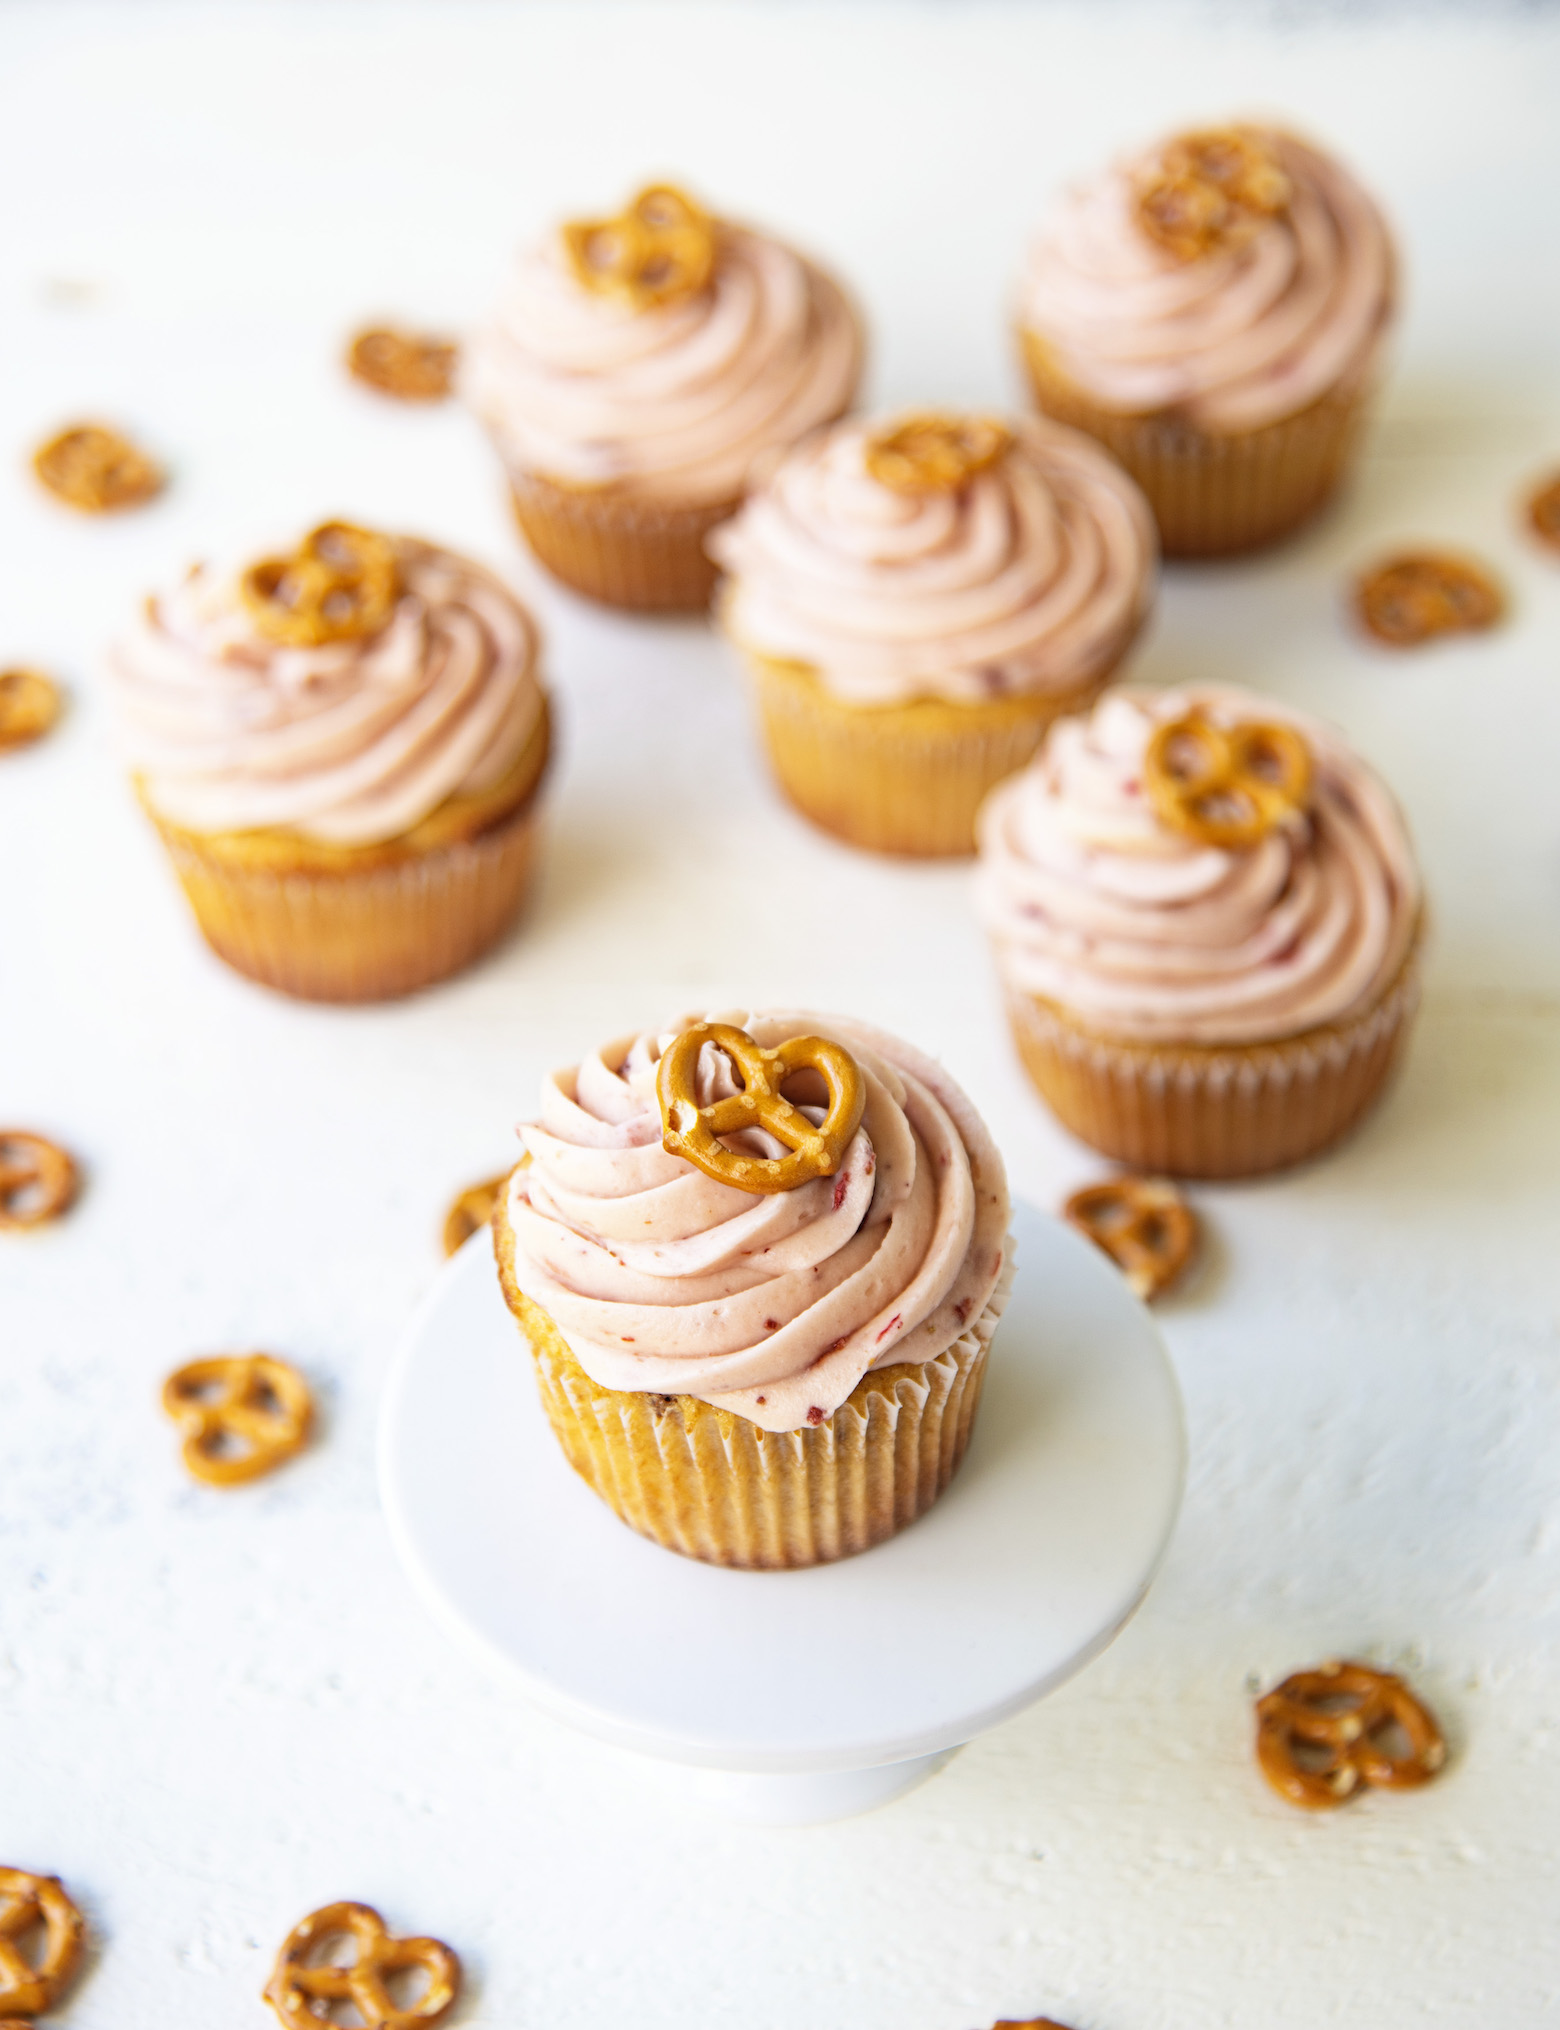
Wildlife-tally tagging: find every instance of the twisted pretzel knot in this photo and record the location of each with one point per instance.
(1209, 190)
(1335, 1712)
(932, 452)
(662, 248)
(1030, 2023)
(1544, 513)
(252, 1398)
(1143, 1224)
(472, 1209)
(29, 706)
(693, 1132)
(27, 1901)
(1412, 598)
(408, 365)
(304, 1995)
(1223, 787)
(96, 470)
(37, 1179)
(340, 582)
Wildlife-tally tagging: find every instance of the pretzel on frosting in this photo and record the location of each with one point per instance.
(29, 706)
(1412, 598)
(408, 365)
(341, 582)
(305, 1995)
(694, 1132)
(96, 470)
(934, 452)
(242, 1414)
(30, 1986)
(661, 249)
(1143, 1224)
(1318, 1735)
(1208, 190)
(1226, 787)
(38, 1179)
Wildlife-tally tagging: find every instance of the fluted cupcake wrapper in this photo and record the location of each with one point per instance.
(639, 554)
(1214, 495)
(1234, 1111)
(713, 1486)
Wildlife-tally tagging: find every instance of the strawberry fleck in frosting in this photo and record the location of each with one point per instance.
(1033, 576)
(1247, 333)
(774, 1307)
(673, 401)
(349, 743)
(1137, 930)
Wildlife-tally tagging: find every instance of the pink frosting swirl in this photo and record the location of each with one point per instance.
(350, 743)
(774, 1307)
(1240, 337)
(1094, 903)
(671, 402)
(1033, 576)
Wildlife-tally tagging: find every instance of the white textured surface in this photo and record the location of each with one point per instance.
(219, 1710)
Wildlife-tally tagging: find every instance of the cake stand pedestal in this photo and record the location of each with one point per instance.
(796, 1697)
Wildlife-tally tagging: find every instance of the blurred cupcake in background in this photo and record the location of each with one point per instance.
(632, 373)
(918, 597)
(342, 749)
(1213, 310)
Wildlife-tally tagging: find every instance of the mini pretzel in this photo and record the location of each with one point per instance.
(27, 1901)
(340, 582)
(38, 1180)
(1412, 598)
(304, 1995)
(1336, 1712)
(1030, 2023)
(29, 706)
(931, 452)
(1226, 787)
(662, 248)
(1143, 1224)
(96, 470)
(408, 365)
(473, 1209)
(1208, 190)
(1544, 513)
(252, 1399)
(693, 1132)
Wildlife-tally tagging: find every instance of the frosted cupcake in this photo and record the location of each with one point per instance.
(918, 597)
(1205, 911)
(1214, 310)
(634, 371)
(342, 749)
(758, 1261)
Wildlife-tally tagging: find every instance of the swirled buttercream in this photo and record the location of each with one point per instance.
(1241, 336)
(774, 1307)
(673, 401)
(1137, 930)
(348, 743)
(1033, 576)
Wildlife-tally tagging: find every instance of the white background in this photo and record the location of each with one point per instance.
(218, 1710)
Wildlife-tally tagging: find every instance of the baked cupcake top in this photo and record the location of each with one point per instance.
(661, 353)
(940, 556)
(770, 1303)
(1234, 275)
(1199, 866)
(342, 692)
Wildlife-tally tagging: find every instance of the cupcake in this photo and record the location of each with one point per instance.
(1213, 311)
(342, 749)
(634, 371)
(758, 1261)
(918, 598)
(1205, 912)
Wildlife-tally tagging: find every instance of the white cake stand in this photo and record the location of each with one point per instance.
(797, 1696)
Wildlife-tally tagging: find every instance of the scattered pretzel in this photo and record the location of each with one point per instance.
(94, 469)
(473, 1209)
(249, 1400)
(693, 1132)
(340, 582)
(27, 1902)
(1226, 787)
(304, 1996)
(1316, 1735)
(1412, 598)
(930, 452)
(1209, 190)
(1143, 1224)
(38, 1180)
(1544, 513)
(409, 365)
(661, 249)
(1030, 2023)
(29, 706)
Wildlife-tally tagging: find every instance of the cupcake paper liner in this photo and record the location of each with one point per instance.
(627, 552)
